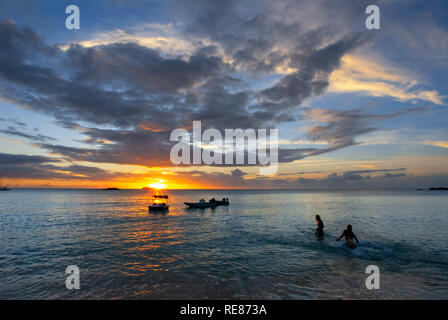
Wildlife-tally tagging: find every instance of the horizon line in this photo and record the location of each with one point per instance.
(175, 189)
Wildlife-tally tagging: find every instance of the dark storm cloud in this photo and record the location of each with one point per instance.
(346, 176)
(221, 104)
(29, 167)
(375, 170)
(20, 159)
(394, 175)
(118, 84)
(124, 64)
(307, 172)
(311, 79)
(218, 179)
(354, 177)
(128, 147)
(291, 91)
(19, 166)
(253, 32)
(328, 58)
(262, 35)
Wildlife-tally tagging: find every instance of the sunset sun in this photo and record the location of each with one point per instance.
(158, 185)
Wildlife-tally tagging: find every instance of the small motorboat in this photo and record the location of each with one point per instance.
(201, 204)
(160, 203)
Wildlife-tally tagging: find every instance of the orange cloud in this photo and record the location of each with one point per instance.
(358, 74)
(440, 144)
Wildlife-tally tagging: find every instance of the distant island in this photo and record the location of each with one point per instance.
(146, 188)
(1, 184)
(434, 189)
(111, 189)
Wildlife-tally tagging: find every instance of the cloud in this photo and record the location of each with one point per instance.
(338, 129)
(376, 79)
(29, 167)
(238, 173)
(216, 179)
(358, 175)
(375, 170)
(394, 175)
(33, 137)
(440, 144)
(308, 172)
(263, 35)
(20, 166)
(164, 38)
(20, 159)
(346, 176)
(129, 64)
(312, 77)
(138, 147)
(354, 179)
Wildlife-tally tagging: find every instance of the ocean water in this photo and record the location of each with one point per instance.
(260, 247)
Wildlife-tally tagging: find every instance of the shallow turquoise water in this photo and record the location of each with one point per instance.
(261, 247)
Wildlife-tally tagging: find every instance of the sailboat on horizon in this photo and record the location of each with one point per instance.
(1, 184)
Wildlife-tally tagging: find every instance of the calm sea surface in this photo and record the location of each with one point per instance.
(260, 247)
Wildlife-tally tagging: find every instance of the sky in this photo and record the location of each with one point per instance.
(95, 107)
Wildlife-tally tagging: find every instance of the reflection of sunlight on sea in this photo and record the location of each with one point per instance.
(261, 246)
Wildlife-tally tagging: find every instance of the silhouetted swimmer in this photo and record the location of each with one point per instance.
(349, 236)
(320, 226)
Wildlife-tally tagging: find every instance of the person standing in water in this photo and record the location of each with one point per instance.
(320, 226)
(349, 236)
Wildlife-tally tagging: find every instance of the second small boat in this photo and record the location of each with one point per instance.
(201, 204)
(212, 203)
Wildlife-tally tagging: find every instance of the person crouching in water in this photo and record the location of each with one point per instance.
(349, 236)
(320, 226)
